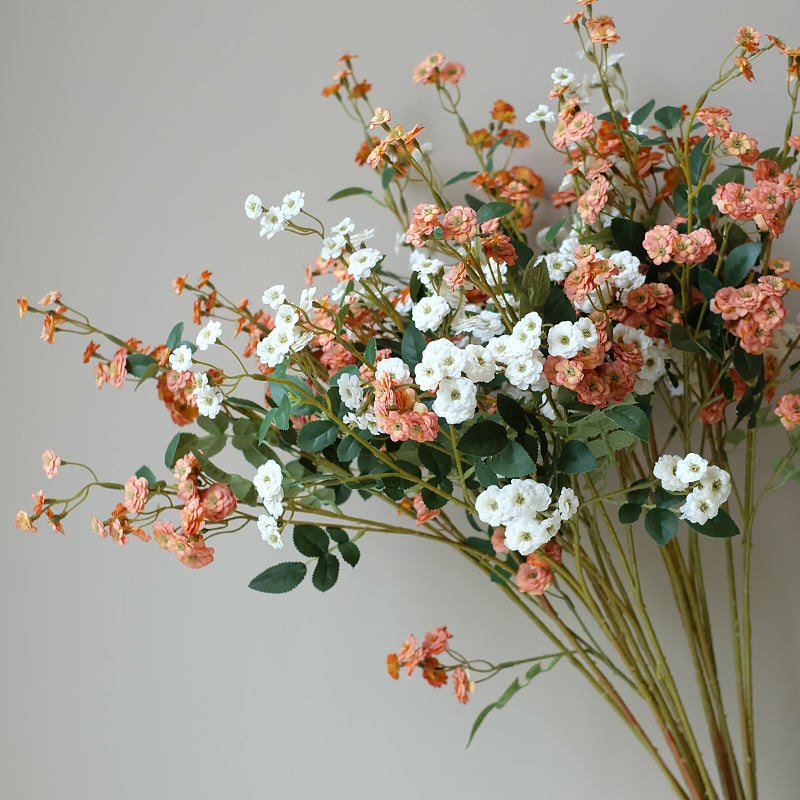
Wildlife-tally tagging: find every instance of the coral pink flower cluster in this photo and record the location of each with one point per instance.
(754, 311)
(664, 244)
(399, 412)
(534, 575)
(410, 657)
(434, 69)
(788, 411)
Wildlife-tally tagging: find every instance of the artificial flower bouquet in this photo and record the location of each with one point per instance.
(545, 404)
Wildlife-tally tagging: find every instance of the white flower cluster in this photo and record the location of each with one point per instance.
(525, 508)
(335, 244)
(518, 355)
(180, 359)
(209, 398)
(288, 335)
(710, 486)
(276, 217)
(453, 371)
(268, 481)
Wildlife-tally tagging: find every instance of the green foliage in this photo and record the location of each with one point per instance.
(348, 449)
(720, 527)
(668, 117)
(326, 573)
(175, 336)
(638, 496)
(512, 413)
(462, 176)
(530, 674)
(661, 524)
(350, 553)
(628, 235)
(484, 438)
(349, 192)
(512, 462)
(317, 435)
(412, 345)
(680, 339)
(178, 447)
(147, 474)
(557, 307)
(371, 351)
(630, 418)
(628, 513)
(137, 363)
(279, 578)
(576, 458)
(484, 474)
(310, 540)
(708, 282)
(387, 175)
(740, 261)
(698, 158)
(535, 287)
(641, 114)
(494, 210)
(553, 230)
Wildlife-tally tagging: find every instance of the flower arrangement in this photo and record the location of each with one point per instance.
(539, 403)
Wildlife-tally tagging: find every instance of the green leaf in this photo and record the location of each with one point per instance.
(147, 474)
(243, 402)
(535, 286)
(576, 458)
(435, 461)
(748, 365)
(280, 578)
(700, 154)
(740, 261)
(483, 439)
(641, 114)
(512, 413)
(348, 449)
(667, 117)
(734, 174)
(339, 535)
(628, 235)
(628, 513)
(484, 474)
(704, 205)
(708, 282)
(412, 345)
(720, 527)
(630, 418)
(484, 545)
(661, 524)
(178, 447)
(137, 363)
(432, 500)
(350, 553)
(638, 496)
(553, 230)
(310, 540)
(495, 210)
(530, 674)
(387, 175)
(148, 372)
(316, 436)
(462, 176)
(175, 336)
(326, 573)
(371, 351)
(349, 192)
(512, 462)
(664, 499)
(680, 339)
(557, 307)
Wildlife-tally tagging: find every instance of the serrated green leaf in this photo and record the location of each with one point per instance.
(350, 553)
(748, 365)
(349, 192)
(494, 210)
(576, 458)
(348, 449)
(317, 435)
(175, 336)
(483, 439)
(432, 500)
(638, 496)
(630, 418)
(680, 199)
(628, 513)
(664, 499)
(279, 578)
(512, 462)
(484, 474)
(708, 282)
(326, 573)
(512, 413)
(435, 461)
(704, 206)
(661, 525)
(628, 235)
(147, 474)
(720, 527)
(734, 174)
(462, 176)
(338, 535)
(641, 114)
(178, 447)
(243, 402)
(740, 261)
(310, 540)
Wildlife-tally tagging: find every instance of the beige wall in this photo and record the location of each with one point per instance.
(131, 134)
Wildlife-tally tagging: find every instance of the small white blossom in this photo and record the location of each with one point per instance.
(269, 531)
(252, 206)
(200, 381)
(429, 313)
(542, 114)
(362, 262)
(523, 497)
(526, 535)
(715, 485)
(449, 359)
(427, 375)
(286, 316)
(698, 509)
(562, 76)
(272, 222)
(293, 204)
(344, 227)
(307, 299)
(180, 359)
(365, 422)
(480, 365)
(567, 503)
(527, 372)
(274, 296)
(396, 368)
(559, 265)
(665, 470)
(332, 247)
(691, 468)
(268, 481)
(455, 400)
(587, 333)
(208, 334)
(563, 340)
(350, 391)
(209, 400)
(487, 506)
(357, 239)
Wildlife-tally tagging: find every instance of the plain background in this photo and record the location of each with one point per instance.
(131, 134)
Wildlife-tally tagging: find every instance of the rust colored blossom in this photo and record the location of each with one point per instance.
(23, 306)
(90, 350)
(748, 38)
(218, 502)
(601, 30)
(179, 284)
(744, 66)
(503, 112)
